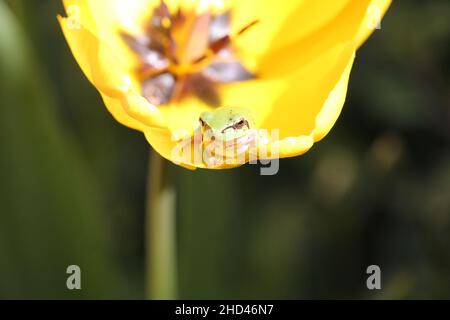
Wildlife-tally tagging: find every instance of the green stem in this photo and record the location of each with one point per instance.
(160, 235)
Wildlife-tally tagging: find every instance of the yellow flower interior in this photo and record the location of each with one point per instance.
(184, 53)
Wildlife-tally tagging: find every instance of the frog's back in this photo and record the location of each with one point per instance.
(225, 115)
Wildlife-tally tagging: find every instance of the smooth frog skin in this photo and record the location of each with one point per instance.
(226, 124)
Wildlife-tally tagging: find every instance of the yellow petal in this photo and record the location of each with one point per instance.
(182, 116)
(107, 19)
(259, 95)
(311, 16)
(295, 112)
(165, 144)
(323, 122)
(281, 22)
(341, 29)
(270, 15)
(79, 13)
(111, 15)
(332, 107)
(306, 19)
(108, 75)
(372, 20)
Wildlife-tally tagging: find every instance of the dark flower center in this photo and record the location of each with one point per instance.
(186, 53)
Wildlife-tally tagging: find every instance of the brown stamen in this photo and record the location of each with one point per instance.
(187, 53)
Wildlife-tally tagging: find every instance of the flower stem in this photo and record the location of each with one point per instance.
(160, 235)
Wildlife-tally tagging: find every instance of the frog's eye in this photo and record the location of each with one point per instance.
(202, 123)
(239, 125)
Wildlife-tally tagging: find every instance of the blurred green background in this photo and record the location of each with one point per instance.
(375, 191)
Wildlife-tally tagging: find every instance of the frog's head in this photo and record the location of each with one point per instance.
(226, 124)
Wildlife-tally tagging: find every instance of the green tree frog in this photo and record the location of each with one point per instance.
(229, 128)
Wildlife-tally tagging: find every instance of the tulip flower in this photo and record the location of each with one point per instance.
(159, 65)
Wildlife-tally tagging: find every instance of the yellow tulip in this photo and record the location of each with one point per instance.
(292, 58)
